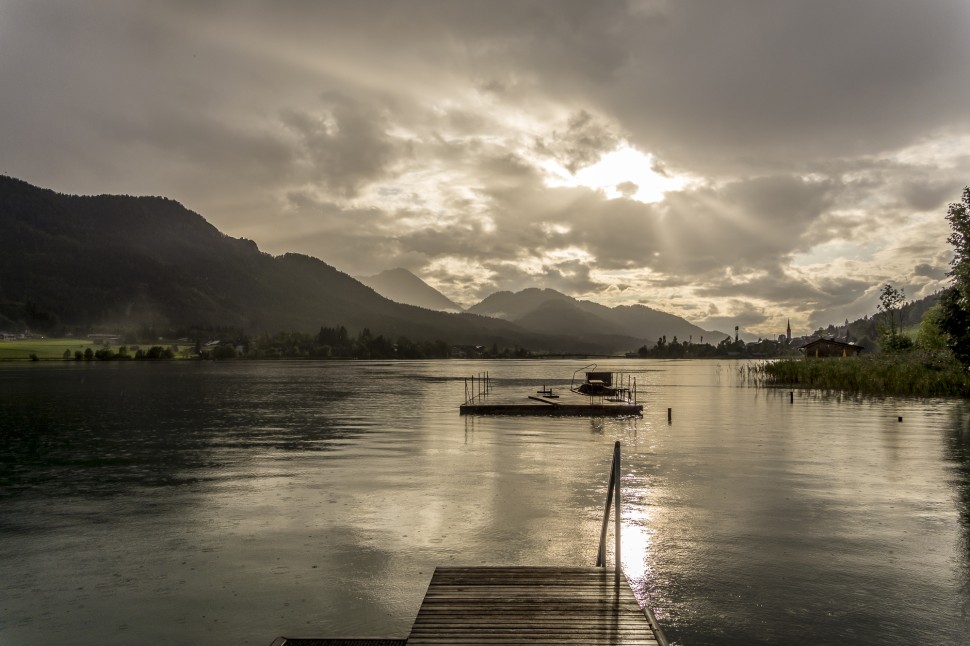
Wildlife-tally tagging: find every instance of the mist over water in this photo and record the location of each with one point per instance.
(235, 502)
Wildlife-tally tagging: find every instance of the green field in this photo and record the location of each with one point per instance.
(53, 349)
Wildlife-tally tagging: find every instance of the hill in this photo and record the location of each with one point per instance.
(548, 310)
(114, 262)
(402, 286)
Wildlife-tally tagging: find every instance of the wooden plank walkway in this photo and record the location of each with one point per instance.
(531, 605)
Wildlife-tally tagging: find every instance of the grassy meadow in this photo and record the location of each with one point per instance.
(53, 349)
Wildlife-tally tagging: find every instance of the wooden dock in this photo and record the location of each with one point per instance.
(467, 606)
(531, 605)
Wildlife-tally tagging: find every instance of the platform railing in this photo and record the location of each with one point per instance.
(477, 387)
(612, 492)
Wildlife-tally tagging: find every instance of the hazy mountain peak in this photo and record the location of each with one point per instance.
(402, 286)
(544, 309)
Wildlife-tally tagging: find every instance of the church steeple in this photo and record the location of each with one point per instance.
(788, 331)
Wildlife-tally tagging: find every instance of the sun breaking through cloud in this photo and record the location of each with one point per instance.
(623, 172)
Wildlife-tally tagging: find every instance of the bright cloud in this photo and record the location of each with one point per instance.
(623, 172)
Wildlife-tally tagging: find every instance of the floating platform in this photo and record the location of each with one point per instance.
(575, 410)
(568, 403)
(601, 394)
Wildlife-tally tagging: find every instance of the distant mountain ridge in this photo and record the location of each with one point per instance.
(551, 311)
(402, 286)
(119, 262)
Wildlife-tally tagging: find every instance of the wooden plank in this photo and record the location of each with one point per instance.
(544, 400)
(518, 605)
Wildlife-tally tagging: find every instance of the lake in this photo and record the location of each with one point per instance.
(230, 503)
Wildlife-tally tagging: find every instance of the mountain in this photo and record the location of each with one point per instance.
(558, 316)
(401, 286)
(548, 310)
(120, 262)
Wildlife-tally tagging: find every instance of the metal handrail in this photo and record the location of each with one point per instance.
(572, 382)
(481, 384)
(613, 491)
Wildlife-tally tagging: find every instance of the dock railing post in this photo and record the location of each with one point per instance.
(612, 491)
(616, 526)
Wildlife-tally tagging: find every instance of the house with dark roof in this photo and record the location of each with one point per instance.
(820, 348)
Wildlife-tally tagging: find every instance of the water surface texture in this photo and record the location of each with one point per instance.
(229, 503)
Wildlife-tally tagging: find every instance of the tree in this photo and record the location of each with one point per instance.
(955, 323)
(958, 215)
(890, 299)
(224, 351)
(955, 302)
(931, 335)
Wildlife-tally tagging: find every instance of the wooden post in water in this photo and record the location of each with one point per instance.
(670, 415)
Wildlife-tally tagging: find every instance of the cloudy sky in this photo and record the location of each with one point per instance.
(736, 163)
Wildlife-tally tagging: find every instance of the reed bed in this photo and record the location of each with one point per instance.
(916, 374)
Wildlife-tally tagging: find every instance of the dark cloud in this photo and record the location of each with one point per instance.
(344, 143)
(744, 314)
(582, 143)
(930, 271)
(785, 84)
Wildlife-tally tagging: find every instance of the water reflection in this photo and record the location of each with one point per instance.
(115, 427)
(958, 452)
(236, 502)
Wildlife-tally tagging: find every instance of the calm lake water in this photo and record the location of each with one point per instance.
(229, 503)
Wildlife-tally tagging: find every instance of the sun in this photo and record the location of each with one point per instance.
(622, 172)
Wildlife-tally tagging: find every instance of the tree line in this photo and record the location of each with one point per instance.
(727, 347)
(327, 343)
(105, 353)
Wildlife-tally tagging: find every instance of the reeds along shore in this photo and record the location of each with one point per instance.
(916, 373)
